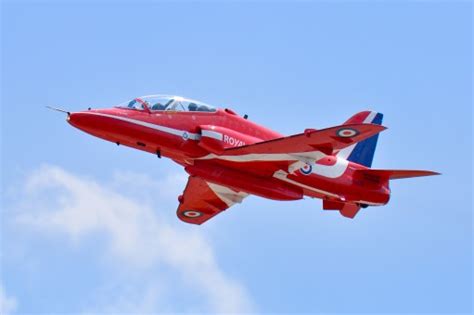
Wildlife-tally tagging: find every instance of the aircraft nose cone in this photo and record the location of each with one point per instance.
(83, 120)
(76, 119)
(99, 123)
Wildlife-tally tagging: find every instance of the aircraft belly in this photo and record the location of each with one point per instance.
(266, 187)
(342, 188)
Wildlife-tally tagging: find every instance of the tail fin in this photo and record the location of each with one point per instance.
(362, 152)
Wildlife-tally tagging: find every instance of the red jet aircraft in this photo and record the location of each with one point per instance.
(229, 157)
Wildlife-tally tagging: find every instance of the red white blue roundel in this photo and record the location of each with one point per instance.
(347, 132)
(192, 213)
(306, 170)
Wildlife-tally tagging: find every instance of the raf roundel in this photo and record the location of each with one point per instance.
(192, 214)
(306, 170)
(185, 135)
(347, 132)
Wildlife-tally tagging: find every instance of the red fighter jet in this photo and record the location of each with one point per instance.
(229, 157)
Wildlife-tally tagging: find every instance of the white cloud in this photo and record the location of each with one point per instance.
(132, 299)
(137, 236)
(8, 304)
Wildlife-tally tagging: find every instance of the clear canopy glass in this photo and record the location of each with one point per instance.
(167, 103)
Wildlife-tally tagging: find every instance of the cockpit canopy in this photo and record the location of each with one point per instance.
(167, 103)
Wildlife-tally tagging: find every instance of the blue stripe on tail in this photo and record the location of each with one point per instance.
(363, 153)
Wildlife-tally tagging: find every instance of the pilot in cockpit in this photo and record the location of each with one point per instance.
(158, 106)
(192, 107)
(166, 103)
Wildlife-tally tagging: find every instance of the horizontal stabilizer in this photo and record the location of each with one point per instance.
(393, 174)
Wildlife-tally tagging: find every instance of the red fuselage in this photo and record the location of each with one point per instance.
(188, 138)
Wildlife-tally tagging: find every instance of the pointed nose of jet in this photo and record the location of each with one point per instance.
(87, 121)
(102, 123)
(80, 120)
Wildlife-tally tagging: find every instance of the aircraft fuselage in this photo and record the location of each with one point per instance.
(198, 140)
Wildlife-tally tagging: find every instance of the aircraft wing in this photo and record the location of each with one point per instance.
(203, 200)
(325, 140)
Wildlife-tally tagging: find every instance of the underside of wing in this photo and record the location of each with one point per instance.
(203, 200)
(325, 140)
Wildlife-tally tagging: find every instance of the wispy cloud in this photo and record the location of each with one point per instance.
(61, 202)
(8, 304)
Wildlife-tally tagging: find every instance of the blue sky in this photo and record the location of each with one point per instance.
(88, 227)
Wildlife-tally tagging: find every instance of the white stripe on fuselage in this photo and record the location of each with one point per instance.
(212, 134)
(270, 157)
(176, 132)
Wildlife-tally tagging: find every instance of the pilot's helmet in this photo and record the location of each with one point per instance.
(192, 107)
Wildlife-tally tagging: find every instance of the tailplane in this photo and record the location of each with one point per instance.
(362, 152)
(375, 177)
(383, 175)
